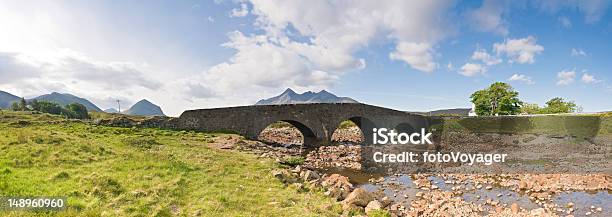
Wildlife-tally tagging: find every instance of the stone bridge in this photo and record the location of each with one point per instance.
(317, 122)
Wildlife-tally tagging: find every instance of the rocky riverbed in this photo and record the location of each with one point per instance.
(337, 171)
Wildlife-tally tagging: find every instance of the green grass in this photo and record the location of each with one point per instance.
(585, 126)
(140, 172)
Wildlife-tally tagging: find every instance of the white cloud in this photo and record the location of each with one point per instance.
(589, 79)
(243, 11)
(578, 52)
(565, 22)
(488, 17)
(482, 55)
(521, 78)
(308, 45)
(210, 19)
(418, 55)
(566, 77)
(521, 50)
(450, 66)
(472, 69)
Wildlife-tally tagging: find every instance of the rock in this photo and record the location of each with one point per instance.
(385, 201)
(569, 205)
(310, 175)
(359, 197)
(337, 186)
(514, 208)
(489, 187)
(537, 212)
(599, 209)
(373, 205)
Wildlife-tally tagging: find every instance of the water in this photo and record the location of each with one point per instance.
(401, 189)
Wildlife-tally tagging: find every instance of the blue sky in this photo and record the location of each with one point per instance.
(407, 55)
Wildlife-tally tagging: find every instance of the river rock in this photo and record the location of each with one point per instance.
(373, 205)
(514, 208)
(359, 197)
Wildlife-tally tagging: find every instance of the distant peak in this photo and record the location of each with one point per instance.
(323, 91)
(288, 90)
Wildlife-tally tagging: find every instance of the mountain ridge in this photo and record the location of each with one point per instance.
(291, 97)
(6, 99)
(66, 98)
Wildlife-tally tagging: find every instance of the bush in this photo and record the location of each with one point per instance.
(140, 142)
(72, 110)
(294, 161)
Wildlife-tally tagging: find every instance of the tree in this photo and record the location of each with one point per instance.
(499, 99)
(79, 111)
(20, 105)
(531, 108)
(559, 105)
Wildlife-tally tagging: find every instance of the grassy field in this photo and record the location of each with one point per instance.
(139, 172)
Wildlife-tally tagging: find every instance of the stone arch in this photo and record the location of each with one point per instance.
(366, 126)
(405, 128)
(347, 132)
(309, 137)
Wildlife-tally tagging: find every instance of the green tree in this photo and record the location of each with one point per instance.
(531, 108)
(498, 99)
(559, 105)
(79, 111)
(20, 105)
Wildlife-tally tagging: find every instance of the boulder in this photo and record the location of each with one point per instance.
(310, 175)
(359, 197)
(373, 205)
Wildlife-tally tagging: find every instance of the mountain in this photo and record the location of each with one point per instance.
(145, 108)
(6, 99)
(111, 110)
(65, 99)
(290, 97)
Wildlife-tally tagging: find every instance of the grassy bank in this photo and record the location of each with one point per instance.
(558, 125)
(139, 172)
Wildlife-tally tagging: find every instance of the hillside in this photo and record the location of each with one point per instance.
(291, 97)
(145, 108)
(6, 99)
(65, 99)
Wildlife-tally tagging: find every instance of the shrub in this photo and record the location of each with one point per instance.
(140, 142)
(294, 161)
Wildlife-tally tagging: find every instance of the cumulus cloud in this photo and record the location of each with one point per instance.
(578, 52)
(418, 55)
(588, 78)
(522, 50)
(565, 22)
(488, 17)
(15, 66)
(566, 77)
(308, 45)
(243, 11)
(522, 78)
(486, 58)
(69, 70)
(472, 69)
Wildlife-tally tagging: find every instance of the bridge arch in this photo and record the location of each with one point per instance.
(308, 135)
(405, 128)
(365, 125)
